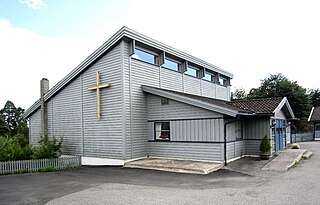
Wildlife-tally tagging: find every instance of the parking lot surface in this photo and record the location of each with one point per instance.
(242, 182)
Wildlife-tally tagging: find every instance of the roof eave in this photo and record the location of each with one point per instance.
(283, 102)
(190, 101)
(309, 118)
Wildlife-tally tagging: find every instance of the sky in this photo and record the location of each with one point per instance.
(250, 38)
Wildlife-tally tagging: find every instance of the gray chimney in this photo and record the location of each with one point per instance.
(44, 88)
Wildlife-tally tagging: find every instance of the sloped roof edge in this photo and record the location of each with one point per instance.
(191, 101)
(283, 102)
(123, 32)
(309, 118)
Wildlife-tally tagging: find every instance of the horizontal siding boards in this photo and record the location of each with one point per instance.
(141, 74)
(171, 80)
(235, 149)
(151, 131)
(222, 92)
(280, 115)
(175, 110)
(256, 128)
(126, 67)
(201, 130)
(50, 118)
(64, 117)
(35, 127)
(193, 151)
(208, 89)
(192, 85)
(103, 137)
(252, 147)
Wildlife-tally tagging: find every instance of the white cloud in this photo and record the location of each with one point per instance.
(34, 4)
(27, 57)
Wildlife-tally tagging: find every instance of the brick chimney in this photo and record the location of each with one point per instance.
(44, 88)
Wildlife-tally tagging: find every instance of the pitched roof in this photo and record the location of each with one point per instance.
(259, 106)
(215, 105)
(314, 114)
(124, 32)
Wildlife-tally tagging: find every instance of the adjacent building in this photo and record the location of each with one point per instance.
(136, 97)
(314, 117)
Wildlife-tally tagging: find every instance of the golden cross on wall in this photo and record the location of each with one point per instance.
(97, 87)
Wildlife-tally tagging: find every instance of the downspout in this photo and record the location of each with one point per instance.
(225, 140)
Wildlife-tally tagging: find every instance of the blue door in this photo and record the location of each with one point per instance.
(279, 135)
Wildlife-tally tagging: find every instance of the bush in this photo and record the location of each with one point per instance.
(48, 148)
(295, 146)
(9, 149)
(265, 145)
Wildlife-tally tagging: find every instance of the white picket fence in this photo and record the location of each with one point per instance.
(34, 165)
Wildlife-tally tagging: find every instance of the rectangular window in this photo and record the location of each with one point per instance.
(145, 56)
(192, 71)
(162, 130)
(238, 130)
(170, 64)
(209, 76)
(223, 80)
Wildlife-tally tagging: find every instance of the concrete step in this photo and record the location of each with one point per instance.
(307, 155)
(285, 160)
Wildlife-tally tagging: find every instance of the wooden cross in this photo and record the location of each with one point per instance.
(97, 87)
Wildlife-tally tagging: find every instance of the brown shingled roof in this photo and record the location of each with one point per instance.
(315, 114)
(258, 106)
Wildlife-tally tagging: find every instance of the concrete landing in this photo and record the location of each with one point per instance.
(285, 160)
(174, 165)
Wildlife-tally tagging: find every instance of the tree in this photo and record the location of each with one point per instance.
(238, 94)
(315, 97)
(11, 121)
(277, 85)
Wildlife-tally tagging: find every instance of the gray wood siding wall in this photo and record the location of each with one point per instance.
(222, 92)
(254, 131)
(72, 112)
(256, 128)
(175, 110)
(137, 73)
(280, 115)
(201, 130)
(103, 137)
(64, 117)
(233, 130)
(192, 85)
(193, 151)
(252, 147)
(235, 149)
(171, 80)
(34, 127)
(208, 89)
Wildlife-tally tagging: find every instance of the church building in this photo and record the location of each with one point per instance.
(136, 97)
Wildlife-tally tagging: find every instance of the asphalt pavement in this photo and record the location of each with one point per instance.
(241, 182)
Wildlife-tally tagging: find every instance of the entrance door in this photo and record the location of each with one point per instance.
(279, 135)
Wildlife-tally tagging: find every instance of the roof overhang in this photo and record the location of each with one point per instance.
(309, 118)
(124, 32)
(285, 102)
(191, 101)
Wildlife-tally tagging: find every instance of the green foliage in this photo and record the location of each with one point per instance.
(48, 148)
(278, 85)
(11, 121)
(11, 150)
(315, 97)
(47, 169)
(238, 94)
(265, 145)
